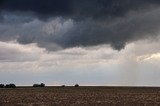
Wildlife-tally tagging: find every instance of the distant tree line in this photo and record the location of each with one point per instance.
(76, 85)
(34, 85)
(39, 85)
(7, 86)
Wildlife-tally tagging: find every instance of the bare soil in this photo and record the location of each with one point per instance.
(80, 96)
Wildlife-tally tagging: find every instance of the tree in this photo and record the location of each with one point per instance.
(42, 85)
(10, 86)
(76, 85)
(1, 85)
(39, 85)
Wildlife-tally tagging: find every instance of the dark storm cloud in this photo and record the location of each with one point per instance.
(117, 33)
(95, 22)
(76, 8)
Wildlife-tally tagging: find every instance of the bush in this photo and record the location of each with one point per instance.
(35, 85)
(1, 85)
(63, 86)
(76, 85)
(10, 86)
(39, 85)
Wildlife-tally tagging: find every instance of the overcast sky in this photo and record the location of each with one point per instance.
(89, 42)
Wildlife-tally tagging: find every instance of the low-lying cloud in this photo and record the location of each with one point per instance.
(98, 65)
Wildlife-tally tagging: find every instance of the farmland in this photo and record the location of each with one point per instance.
(80, 96)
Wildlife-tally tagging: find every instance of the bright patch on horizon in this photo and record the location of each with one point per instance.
(155, 56)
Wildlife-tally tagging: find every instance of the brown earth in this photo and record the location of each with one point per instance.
(80, 96)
